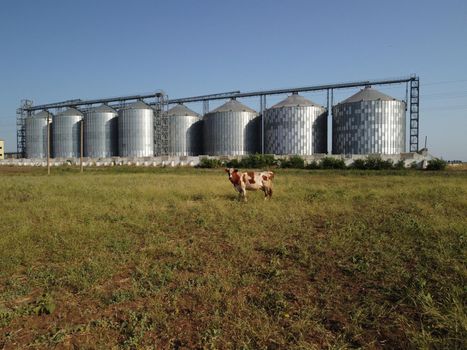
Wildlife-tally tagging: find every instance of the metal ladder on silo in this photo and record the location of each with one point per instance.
(414, 113)
(161, 126)
(21, 114)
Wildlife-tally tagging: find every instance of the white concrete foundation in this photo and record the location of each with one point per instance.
(411, 159)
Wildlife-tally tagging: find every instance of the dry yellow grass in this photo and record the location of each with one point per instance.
(457, 167)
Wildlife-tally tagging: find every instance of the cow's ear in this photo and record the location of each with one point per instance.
(226, 170)
(235, 170)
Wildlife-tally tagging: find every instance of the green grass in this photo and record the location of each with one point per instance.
(134, 257)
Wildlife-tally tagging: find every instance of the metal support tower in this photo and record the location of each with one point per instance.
(414, 113)
(330, 98)
(329, 105)
(21, 114)
(263, 107)
(161, 126)
(205, 107)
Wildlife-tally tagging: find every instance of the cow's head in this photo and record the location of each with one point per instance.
(231, 172)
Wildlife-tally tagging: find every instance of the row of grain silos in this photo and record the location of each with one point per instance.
(107, 133)
(367, 122)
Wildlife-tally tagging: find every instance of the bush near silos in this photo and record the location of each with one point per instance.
(254, 161)
(374, 163)
(259, 161)
(436, 164)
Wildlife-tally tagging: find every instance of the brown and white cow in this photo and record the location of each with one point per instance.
(251, 181)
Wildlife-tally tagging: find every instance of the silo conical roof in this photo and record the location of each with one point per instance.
(233, 106)
(103, 108)
(295, 100)
(70, 111)
(181, 109)
(137, 105)
(42, 114)
(368, 94)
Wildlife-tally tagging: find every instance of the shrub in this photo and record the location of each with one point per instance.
(436, 164)
(313, 165)
(376, 163)
(399, 165)
(210, 163)
(233, 163)
(332, 163)
(414, 165)
(294, 162)
(257, 161)
(251, 161)
(359, 164)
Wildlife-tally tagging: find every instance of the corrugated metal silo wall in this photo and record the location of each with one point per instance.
(36, 137)
(295, 130)
(100, 134)
(369, 127)
(66, 136)
(136, 132)
(231, 133)
(185, 135)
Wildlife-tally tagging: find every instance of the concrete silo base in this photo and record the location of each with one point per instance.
(411, 159)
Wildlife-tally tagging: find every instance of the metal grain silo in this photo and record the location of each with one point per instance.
(136, 130)
(295, 126)
(66, 134)
(36, 135)
(100, 132)
(231, 129)
(368, 122)
(185, 131)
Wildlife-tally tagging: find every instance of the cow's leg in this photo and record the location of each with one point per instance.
(244, 193)
(268, 190)
(265, 190)
(239, 190)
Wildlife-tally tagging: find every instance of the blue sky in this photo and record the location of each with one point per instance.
(54, 50)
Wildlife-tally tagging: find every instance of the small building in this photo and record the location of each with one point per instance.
(12, 155)
(2, 149)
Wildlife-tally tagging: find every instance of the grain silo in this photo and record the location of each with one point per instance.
(136, 130)
(185, 131)
(100, 132)
(231, 129)
(295, 126)
(66, 134)
(368, 122)
(36, 134)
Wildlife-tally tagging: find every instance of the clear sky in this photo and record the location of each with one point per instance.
(53, 50)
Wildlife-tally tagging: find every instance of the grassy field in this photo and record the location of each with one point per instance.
(167, 258)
